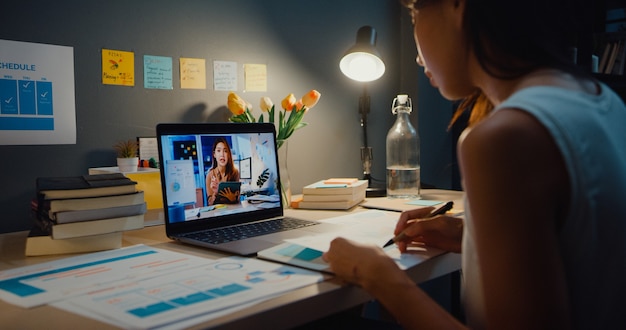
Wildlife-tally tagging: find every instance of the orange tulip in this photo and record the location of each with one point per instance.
(288, 102)
(310, 99)
(236, 104)
(299, 105)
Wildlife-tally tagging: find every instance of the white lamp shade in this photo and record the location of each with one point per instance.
(362, 61)
(362, 66)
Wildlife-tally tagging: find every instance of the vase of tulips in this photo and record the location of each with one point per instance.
(289, 120)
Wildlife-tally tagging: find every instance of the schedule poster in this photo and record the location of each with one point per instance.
(37, 104)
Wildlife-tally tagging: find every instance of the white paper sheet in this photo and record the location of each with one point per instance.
(208, 291)
(373, 227)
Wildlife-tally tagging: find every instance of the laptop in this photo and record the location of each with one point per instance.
(253, 219)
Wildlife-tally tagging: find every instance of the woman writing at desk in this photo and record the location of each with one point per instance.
(222, 170)
(543, 163)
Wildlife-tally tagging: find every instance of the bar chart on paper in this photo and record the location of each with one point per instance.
(48, 282)
(228, 283)
(26, 104)
(145, 287)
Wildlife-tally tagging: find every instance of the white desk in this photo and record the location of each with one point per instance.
(292, 309)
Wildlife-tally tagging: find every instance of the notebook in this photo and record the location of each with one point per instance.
(186, 156)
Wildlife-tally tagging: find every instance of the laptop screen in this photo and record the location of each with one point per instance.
(218, 174)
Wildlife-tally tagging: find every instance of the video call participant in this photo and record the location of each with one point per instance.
(222, 169)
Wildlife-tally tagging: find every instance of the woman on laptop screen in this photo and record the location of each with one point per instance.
(222, 170)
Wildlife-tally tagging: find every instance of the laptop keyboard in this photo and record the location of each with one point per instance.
(235, 233)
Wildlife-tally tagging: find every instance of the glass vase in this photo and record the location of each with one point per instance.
(285, 181)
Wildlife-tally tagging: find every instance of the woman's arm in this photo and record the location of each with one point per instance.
(372, 269)
(210, 191)
(516, 185)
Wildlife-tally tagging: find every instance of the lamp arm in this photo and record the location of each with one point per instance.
(364, 109)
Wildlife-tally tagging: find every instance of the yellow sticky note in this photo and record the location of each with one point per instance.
(255, 76)
(192, 73)
(118, 67)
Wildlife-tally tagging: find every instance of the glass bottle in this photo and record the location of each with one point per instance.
(403, 153)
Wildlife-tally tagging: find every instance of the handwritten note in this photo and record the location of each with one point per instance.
(255, 76)
(192, 73)
(157, 72)
(148, 148)
(224, 76)
(118, 67)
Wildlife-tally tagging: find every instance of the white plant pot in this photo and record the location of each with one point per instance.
(128, 164)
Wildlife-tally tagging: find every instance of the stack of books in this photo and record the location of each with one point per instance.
(83, 213)
(332, 194)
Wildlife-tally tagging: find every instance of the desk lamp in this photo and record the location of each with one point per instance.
(362, 63)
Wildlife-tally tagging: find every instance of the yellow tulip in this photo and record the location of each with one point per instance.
(288, 102)
(236, 104)
(266, 104)
(310, 99)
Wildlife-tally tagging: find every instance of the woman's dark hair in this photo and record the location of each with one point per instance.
(513, 38)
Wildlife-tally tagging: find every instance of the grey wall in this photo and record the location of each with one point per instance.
(301, 43)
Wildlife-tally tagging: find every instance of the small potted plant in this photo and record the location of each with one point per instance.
(127, 159)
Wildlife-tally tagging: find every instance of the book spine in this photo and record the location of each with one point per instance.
(622, 58)
(605, 57)
(45, 245)
(60, 205)
(320, 188)
(40, 216)
(611, 60)
(97, 227)
(101, 213)
(44, 224)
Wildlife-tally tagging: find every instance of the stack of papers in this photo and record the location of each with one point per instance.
(143, 287)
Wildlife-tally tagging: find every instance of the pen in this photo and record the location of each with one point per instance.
(442, 210)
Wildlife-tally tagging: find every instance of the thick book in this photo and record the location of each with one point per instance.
(101, 213)
(621, 58)
(611, 61)
(321, 188)
(52, 207)
(605, 57)
(356, 195)
(39, 243)
(94, 227)
(341, 205)
(84, 186)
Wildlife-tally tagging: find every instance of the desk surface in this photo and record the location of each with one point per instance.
(301, 306)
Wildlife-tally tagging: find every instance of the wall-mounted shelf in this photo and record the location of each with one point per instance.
(606, 28)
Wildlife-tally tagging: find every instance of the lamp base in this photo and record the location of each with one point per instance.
(375, 192)
(372, 190)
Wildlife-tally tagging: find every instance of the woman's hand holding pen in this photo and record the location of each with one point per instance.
(442, 232)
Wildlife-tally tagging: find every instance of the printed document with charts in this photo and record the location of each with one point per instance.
(369, 227)
(142, 287)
